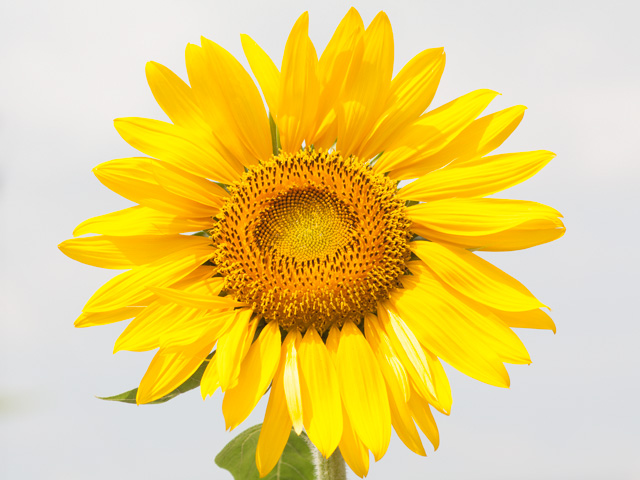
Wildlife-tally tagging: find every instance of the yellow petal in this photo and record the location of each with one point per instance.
(141, 221)
(105, 318)
(160, 317)
(440, 384)
(275, 430)
(482, 136)
(390, 365)
(408, 349)
(367, 87)
(411, 92)
(299, 87)
(474, 277)
(442, 325)
(229, 96)
(210, 380)
(265, 72)
(233, 346)
(403, 424)
(291, 378)
(489, 224)
(363, 390)
(186, 185)
(144, 332)
(414, 151)
(197, 324)
(477, 178)
(336, 57)
(481, 322)
(133, 179)
(197, 300)
(333, 66)
(223, 132)
(190, 150)
(129, 287)
(424, 418)
(171, 368)
(531, 319)
(352, 449)
(333, 342)
(321, 405)
(174, 97)
(397, 383)
(395, 374)
(125, 252)
(256, 373)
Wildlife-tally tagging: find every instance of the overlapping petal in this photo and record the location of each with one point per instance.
(366, 87)
(467, 337)
(121, 253)
(344, 51)
(276, 427)
(170, 368)
(140, 220)
(291, 378)
(474, 277)
(352, 449)
(191, 150)
(414, 151)
(230, 102)
(410, 94)
(477, 178)
(265, 71)
(321, 405)
(93, 319)
(175, 97)
(358, 371)
(530, 319)
(489, 224)
(233, 347)
(299, 87)
(162, 318)
(408, 349)
(256, 372)
(132, 286)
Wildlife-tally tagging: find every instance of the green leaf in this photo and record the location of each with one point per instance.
(192, 382)
(239, 457)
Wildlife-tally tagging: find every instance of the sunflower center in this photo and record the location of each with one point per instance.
(305, 223)
(311, 239)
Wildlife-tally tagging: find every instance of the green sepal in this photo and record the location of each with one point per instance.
(192, 382)
(239, 457)
(275, 136)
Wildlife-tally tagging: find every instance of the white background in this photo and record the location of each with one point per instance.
(69, 67)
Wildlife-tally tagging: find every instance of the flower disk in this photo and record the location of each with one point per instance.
(312, 239)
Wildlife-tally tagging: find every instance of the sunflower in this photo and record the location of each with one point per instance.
(287, 242)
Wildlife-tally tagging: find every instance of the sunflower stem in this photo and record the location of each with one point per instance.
(332, 468)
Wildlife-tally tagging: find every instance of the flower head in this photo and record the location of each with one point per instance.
(315, 274)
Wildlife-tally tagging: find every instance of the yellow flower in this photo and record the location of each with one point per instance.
(317, 273)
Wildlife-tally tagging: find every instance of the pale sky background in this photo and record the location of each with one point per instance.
(69, 67)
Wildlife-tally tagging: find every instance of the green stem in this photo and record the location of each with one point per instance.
(332, 468)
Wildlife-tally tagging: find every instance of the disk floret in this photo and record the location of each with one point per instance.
(311, 238)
